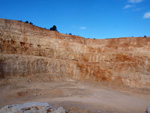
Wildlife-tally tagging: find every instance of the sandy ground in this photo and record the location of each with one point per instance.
(76, 96)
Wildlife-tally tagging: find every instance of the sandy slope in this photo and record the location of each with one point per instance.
(76, 96)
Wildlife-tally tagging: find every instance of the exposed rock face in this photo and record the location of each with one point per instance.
(28, 50)
(31, 107)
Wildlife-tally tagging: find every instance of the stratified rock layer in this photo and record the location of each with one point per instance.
(29, 50)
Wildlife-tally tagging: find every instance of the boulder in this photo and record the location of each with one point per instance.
(147, 110)
(31, 107)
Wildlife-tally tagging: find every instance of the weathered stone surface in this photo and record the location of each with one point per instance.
(147, 110)
(31, 107)
(28, 50)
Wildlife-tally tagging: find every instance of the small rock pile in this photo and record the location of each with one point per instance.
(31, 107)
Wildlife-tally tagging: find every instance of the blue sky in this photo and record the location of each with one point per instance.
(88, 18)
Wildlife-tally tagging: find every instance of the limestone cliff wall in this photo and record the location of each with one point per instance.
(28, 50)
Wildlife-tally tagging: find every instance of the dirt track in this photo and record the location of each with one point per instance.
(76, 96)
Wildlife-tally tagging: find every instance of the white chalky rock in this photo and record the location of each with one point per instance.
(31, 107)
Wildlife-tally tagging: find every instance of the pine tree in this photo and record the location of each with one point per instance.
(54, 28)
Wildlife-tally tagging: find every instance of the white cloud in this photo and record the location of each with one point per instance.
(137, 9)
(147, 15)
(83, 28)
(128, 6)
(135, 1)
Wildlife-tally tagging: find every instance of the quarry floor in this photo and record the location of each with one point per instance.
(76, 96)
